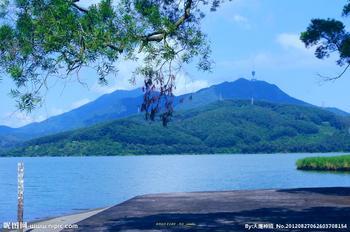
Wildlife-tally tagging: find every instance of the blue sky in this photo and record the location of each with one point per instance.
(244, 34)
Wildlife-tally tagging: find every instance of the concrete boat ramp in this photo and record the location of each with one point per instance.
(309, 209)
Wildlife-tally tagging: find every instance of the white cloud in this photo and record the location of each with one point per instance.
(184, 84)
(273, 61)
(87, 3)
(117, 83)
(121, 80)
(18, 119)
(290, 41)
(55, 111)
(292, 56)
(261, 59)
(238, 19)
(79, 103)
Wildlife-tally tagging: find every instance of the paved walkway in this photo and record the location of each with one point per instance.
(54, 224)
(225, 211)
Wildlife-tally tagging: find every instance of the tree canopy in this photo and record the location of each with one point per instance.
(330, 36)
(42, 39)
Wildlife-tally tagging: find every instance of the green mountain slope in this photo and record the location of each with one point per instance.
(125, 103)
(221, 127)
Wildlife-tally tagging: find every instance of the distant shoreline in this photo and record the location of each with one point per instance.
(186, 154)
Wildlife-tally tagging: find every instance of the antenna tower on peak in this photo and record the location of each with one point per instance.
(253, 79)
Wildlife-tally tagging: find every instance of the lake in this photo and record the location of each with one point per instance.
(64, 185)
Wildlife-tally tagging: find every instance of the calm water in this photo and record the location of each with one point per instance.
(56, 186)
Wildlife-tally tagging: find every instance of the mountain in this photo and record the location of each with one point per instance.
(120, 103)
(6, 139)
(337, 111)
(107, 107)
(5, 130)
(241, 89)
(221, 127)
(123, 103)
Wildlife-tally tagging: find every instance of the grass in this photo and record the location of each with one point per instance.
(334, 163)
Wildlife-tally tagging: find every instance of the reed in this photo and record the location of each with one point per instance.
(334, 163)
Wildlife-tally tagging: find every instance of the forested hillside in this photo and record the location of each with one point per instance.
(221, 127)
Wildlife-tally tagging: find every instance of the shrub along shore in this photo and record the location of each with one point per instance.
(334, 163)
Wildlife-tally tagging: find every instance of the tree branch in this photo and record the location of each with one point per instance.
(151, 37)
(186, 15)
(81, 9)
(160, 35)
(336, 77)
(119, 49)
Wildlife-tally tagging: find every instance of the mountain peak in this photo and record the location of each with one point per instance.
(243, 89)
